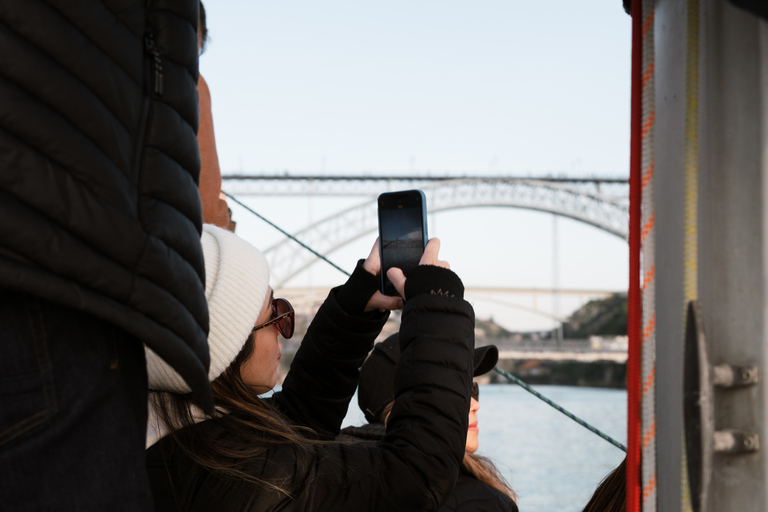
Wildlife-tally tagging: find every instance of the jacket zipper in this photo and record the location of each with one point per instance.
(149, 44)
(153, 81)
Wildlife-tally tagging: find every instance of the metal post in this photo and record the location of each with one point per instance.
(732, 237)
(732, 244)
(669, 29)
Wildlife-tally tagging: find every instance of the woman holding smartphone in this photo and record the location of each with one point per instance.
(277, 453)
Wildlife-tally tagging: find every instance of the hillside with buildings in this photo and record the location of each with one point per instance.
(599, 325)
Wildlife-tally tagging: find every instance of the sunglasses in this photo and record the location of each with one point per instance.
(475, 391)
(283, 316)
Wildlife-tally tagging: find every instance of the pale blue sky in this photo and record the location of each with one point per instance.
(488, 86)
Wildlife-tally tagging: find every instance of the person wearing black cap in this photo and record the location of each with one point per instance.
(480, 486)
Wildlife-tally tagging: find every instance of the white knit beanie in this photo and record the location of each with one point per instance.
(236, 286)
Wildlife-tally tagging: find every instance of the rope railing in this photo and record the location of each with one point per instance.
(506, 374)
(322, 257)
(559, 408)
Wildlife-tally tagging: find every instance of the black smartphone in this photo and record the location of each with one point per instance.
(402, 233)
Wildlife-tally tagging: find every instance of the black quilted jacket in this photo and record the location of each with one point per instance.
(469, 494)
(413, 468)
(99, 208)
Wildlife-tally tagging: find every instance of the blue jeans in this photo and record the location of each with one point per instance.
(73, 410)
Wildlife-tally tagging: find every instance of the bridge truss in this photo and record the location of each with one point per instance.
(584, 200)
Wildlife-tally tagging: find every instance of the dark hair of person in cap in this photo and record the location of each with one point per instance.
(611, 494)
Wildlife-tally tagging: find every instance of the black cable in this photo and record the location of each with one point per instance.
(288, 234)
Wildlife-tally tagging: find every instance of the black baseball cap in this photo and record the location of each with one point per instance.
(377, 375)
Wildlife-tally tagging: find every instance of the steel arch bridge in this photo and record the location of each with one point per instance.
(609, 214)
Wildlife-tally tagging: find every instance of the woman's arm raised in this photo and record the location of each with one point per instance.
(324, 372)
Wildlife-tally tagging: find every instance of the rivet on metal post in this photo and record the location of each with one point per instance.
(729, 376)
(736, 441)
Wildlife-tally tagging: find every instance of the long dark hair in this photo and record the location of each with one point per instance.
(479, 467)
(611, 494)
(486, 471)
(254, 426)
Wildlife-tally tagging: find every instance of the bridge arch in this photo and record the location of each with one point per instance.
(287, 258)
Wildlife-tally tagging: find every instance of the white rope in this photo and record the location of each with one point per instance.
(648, 240)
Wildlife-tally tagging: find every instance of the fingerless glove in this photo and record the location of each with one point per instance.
(433, 280)
(353, 295)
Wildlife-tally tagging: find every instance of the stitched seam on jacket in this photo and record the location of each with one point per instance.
(149, 195)
(108, 7)
(95, 44)
(6, 250)
(194, 28)
(160, 150)
(177, 296)
(72, 171)
(84, 186)
(135, 270)
(77, 79)
(72, 126)
(166, 12)
(173, 109)
(154, 318)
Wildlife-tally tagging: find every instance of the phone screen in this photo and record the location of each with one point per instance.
(402, 238)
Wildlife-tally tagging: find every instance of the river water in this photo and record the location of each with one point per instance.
(553, 463)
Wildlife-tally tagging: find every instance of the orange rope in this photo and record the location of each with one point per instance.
(648, 241)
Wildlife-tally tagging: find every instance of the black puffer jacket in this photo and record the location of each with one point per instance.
(413, 468)
(469, 494)
(99, 208)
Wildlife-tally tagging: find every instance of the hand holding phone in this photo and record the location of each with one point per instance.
(378, 300)
(430, 257)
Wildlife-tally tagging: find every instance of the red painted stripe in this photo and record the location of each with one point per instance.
(634, 321)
